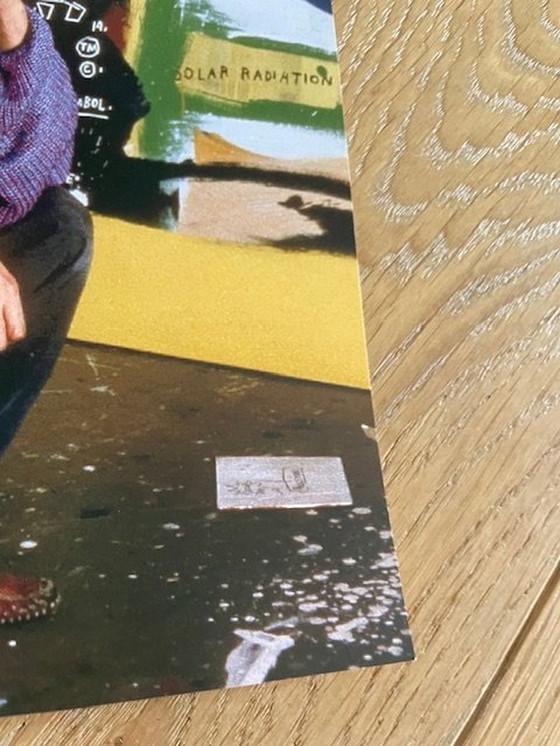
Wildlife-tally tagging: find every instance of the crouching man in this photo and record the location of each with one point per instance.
(45, 240)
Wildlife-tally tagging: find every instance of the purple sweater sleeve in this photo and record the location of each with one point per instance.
(38, 118)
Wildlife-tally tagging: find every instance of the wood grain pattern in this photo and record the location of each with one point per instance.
(453, 111)
(523, 703)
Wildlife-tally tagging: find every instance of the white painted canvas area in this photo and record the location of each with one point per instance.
(251, 482)
(297, 22)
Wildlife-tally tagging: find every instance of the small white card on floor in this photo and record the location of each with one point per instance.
(248, 482)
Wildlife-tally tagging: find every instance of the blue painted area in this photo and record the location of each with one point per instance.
(272, 139)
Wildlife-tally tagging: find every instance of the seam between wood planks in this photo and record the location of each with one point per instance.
(493, 685)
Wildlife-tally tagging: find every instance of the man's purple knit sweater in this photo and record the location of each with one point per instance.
(38, 119)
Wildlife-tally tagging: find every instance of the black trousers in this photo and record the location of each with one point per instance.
(48, 252)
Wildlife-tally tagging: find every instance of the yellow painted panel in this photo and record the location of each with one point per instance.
(293, 314)
(137, 11)
(236, 72)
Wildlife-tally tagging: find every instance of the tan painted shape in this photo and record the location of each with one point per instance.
(210, 147)
(250, 213)
(238, 73)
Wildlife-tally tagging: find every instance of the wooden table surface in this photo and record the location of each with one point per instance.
(453, 110)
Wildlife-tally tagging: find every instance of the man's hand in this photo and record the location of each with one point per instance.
(12, 320)
(13, 24)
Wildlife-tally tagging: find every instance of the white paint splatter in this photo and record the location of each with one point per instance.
(377, 611)
(343, 632)
(310, 550)
(103, 390)
(28, 544)
(316, 620)
(291, 623)
(310, 606)
(387, 561)
(253, 659)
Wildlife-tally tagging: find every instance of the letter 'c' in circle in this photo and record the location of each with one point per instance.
(88, 69)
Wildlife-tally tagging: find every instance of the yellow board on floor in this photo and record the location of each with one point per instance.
(290, 313)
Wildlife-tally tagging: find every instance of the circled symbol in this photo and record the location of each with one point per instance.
(88, 47)
(88, 69)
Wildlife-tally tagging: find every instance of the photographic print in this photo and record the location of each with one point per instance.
(190, 488)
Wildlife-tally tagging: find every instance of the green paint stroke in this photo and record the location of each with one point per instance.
(268, 111)
(174, 116)
(163, 37)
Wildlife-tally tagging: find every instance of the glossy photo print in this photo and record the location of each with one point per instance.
(190, 488)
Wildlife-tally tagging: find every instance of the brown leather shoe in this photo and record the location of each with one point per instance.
(24, 599)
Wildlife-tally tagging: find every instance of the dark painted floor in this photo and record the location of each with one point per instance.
(111, 488)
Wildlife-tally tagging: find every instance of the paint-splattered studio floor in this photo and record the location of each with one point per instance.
(110, 489)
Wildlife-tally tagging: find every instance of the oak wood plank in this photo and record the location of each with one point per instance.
(522, 706)
(452, 111)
